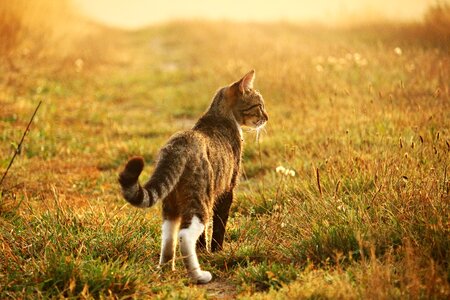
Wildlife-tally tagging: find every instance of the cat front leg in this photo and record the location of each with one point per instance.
(221, 212)
(188, 238)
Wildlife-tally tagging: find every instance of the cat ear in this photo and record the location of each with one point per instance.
(247, 81)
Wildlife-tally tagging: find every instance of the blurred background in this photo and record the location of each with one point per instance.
(137, 13)
(45, 28)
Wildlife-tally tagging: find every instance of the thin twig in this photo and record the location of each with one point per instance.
(338, 184)
(318, 181)
(376, 193)
(20, 143)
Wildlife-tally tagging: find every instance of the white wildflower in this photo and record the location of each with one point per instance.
(356, 56)
(398, 51)
(280, 169)
(79, 63)
(285, 171)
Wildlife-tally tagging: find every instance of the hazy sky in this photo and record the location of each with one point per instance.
(137, 13)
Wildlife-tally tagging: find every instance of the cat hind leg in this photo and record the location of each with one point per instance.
(170, 230)
(188, 238)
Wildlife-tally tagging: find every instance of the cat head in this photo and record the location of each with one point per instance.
(246, 103)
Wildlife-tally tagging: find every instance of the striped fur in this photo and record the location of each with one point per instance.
(196, 173)
(167, 172)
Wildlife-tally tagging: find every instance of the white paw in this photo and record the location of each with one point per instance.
(201, 277)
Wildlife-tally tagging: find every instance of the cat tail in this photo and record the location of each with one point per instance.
(165, 177)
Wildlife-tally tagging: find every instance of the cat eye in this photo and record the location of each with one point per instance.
(250, 108)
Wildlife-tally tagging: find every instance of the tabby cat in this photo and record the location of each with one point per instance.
(196, 173)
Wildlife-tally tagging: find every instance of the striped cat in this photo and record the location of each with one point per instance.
(196, 173)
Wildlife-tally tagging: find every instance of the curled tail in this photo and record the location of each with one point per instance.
(165, 177)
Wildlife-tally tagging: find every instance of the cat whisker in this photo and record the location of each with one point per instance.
(263, 129)
(259, 129)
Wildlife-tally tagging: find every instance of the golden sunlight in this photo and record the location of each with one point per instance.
(138, 13)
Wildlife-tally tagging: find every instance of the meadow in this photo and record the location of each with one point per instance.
(361, 114)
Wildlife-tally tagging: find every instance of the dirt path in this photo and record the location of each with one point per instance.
(221, 289)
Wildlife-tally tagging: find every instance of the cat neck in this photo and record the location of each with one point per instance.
(219, 107)
(222, 113)
(224, 124)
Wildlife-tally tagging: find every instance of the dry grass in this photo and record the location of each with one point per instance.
(361, 116)
(437, 23)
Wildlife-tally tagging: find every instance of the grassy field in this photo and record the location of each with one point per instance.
(362, 115)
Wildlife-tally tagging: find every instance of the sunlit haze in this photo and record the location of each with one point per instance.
(138, 13)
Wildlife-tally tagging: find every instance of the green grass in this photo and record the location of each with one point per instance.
(342, 104)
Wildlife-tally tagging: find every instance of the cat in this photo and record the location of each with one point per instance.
(196, 173)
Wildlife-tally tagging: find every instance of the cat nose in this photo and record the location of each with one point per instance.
(266, 116)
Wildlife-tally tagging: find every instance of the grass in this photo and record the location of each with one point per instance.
(361, 116)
